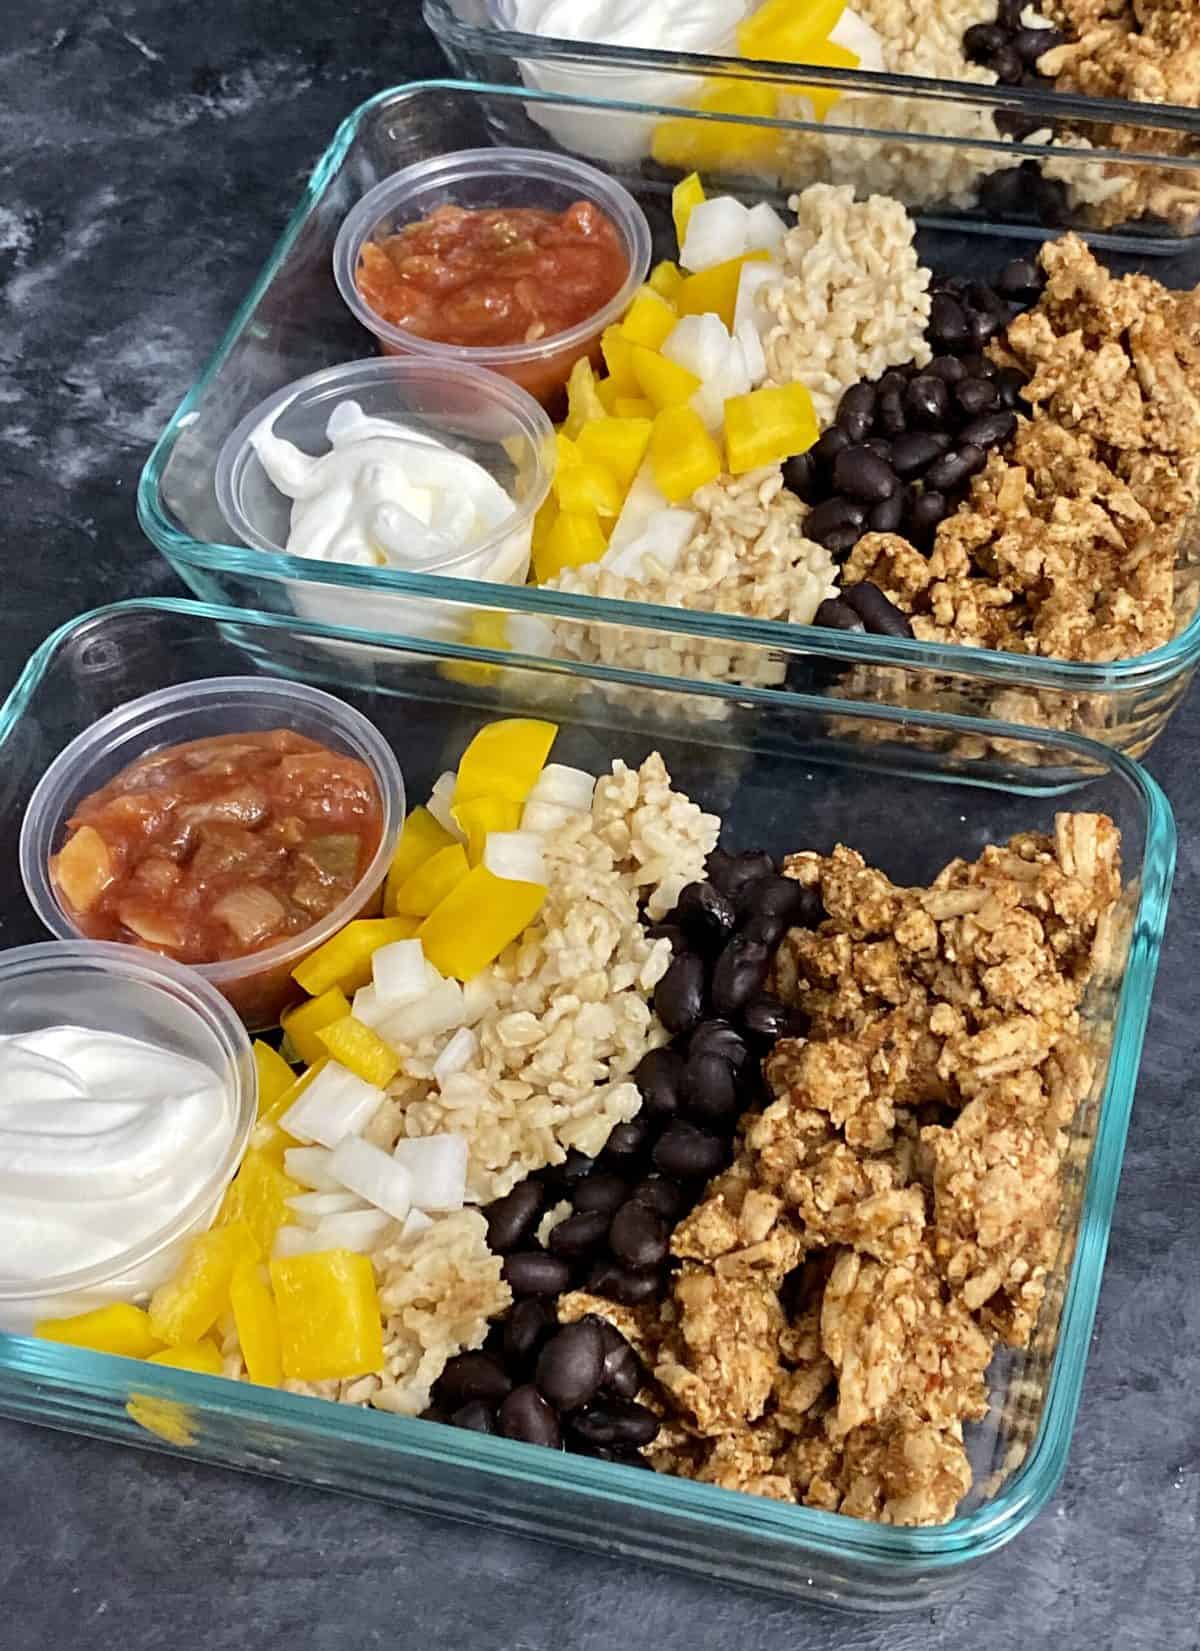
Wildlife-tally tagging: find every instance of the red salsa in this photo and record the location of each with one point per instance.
(221, 847)
(496, 275)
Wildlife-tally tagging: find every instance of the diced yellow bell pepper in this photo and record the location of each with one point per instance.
(257, 1323)
(543, 521)
(634, 407)
(330, 1325)
(345, 959)
(359, 1048)
(121, 1329)
(618, 358)
(204, 1357)
(783, 23)
(606, 389)
(666, 279)
(650, 319)
(275, 1076)
(479, 815)
(588, 486)
(188, 1305)
(685, 198)
(302, 1023)
(722, 146)
(420, 838)
(299, 1084)
(432, 882)
(165, 1418)
(583, 404)
(484, 629)
(472, 927)
(683, 456)
(566, 454)
(576, 538)
(258, 1195)
(619, 444)
(504, 759)
(663, 382)
(825, 56)
(768, 426)
(714, 291)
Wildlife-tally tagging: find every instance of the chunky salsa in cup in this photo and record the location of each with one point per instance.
(494, 276)
(220, 847)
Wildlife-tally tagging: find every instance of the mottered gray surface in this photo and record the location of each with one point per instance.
(150, 152)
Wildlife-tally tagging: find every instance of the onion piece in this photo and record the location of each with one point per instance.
(566, 787)
(358, 1230)
(398, 972)
(296, 1241)
(542, 817)
(515, 856)
(765, 229)
(440, 1010)
(311, 1207)
(335, 1104)
(437, 1167)
(747, 336)
(747, 308)
(716, 232)
(479, 997)
(376, 1177)
(416, 1222)
(441, 799)
(365, 1006)
(458, 1052)
(310, 1166)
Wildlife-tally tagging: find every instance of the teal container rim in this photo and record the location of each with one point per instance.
(1142, 672)
(834, 1536)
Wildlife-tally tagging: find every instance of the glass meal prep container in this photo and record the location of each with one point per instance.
(293, 324)
(785, 770)
(1150, 190)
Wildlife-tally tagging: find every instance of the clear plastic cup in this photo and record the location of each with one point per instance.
(111, 988)
(477, 178)
(259, 986)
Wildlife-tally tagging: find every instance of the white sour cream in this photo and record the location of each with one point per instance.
(386, 495)
(104, 1140)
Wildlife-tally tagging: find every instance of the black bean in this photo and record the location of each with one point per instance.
(671, 932)
(602, 1191)
(947, 367)
(882, 618)
(574, 1167)
(766, 928)
(433, 1413)
(525, 1415)
(984, 323)
(1010, 381)
(1008, 13)
(828, 445)
(570, 1366)
(1004, 193)
(535, 1273)
(880, 446)
(705, 914)
(739, 973)
(915, 452)
(622, 1284)
(856, 411)
(470, 1376)
(1050, 199)
(579, 1235)
(1029, 44)
(766, 1017)
(615, 1422)
(836, 615)
(801, 474)
(627, 1140)
(1020, 279)
(1013, 124)
(842, 540)
(976, 395)
(982, 40)
(626, 1455)
(979, 366)
(688, 1153)
(892, 417)
(925, 512)
(679, 995)
(928, 400)
(657, 1193)
(989, 429)
(861, 474)
(658, 1076)
(744, 868)
(782, 896)
(718, 1037)
(893, 382)
(476, 1417)
(955, 468)
(1007, 66)
(834, 513)
(623, 1374)
(638, 1236)
(710, 1090)
(511, 1218)
(947, 322)
(885, 517)
(526, 1328)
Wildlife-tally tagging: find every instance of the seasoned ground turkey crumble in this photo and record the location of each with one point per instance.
(892, 1216)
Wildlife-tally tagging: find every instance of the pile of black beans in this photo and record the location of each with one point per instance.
(1009, 48)
(575, 1385)
(901, 453)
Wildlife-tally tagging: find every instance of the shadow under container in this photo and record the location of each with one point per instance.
(293, 323)
(785, 771)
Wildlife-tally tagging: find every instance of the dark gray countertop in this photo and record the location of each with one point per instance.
(149, 155)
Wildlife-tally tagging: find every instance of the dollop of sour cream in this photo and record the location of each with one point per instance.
(104, 1139)
(671, 25)
(388, 495)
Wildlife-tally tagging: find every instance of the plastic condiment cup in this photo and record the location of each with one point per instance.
(259, 986)
(478, 178)
(105, 987)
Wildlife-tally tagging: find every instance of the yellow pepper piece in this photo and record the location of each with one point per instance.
(258, 1195)
(618, 358)
(420, 838)
(431, 882)
(479, 815)
(606, 390)
(714, 291)
(504, 759)
(359, 1048)
(782, 23)
(345, 959)
(165, 1418)
(566, 454)
(257, 1323)
(473, 925)
(186, 1306)
(826, 56)
(768, 426)
(275, 1076)
(204, 1357)
(587, 486)
(619, 444)
(634, 407)
(302, 1023)
(280, 1105)
(685, 198)
(650, 319)
(329, 1320)
(121, 1329)
(484, 629)
(583, 404)
(683, 456)
(575, 538)
(722, 146)
(663, 382)
(666, 279)
(543, 521)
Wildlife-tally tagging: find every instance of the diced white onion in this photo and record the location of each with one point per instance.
(335, 1104)
(310, 1166)
(398, 972)
(440, 800)
(642, 500)
(854, 32)
(565, 787)
(666, 536)
(365, 1006)
(359, 1230)
(375, 1176)
(416, 1222)
(752, 352)
(699, 343)
(457, 1053)
(437, 1166)
(747, 308)
(433, 975)
(296, 1241)
(478, 997)
(440, 1010)
(765, 229)
(716, 232)
(311, 1207)
(544, 817)
(515, 855)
